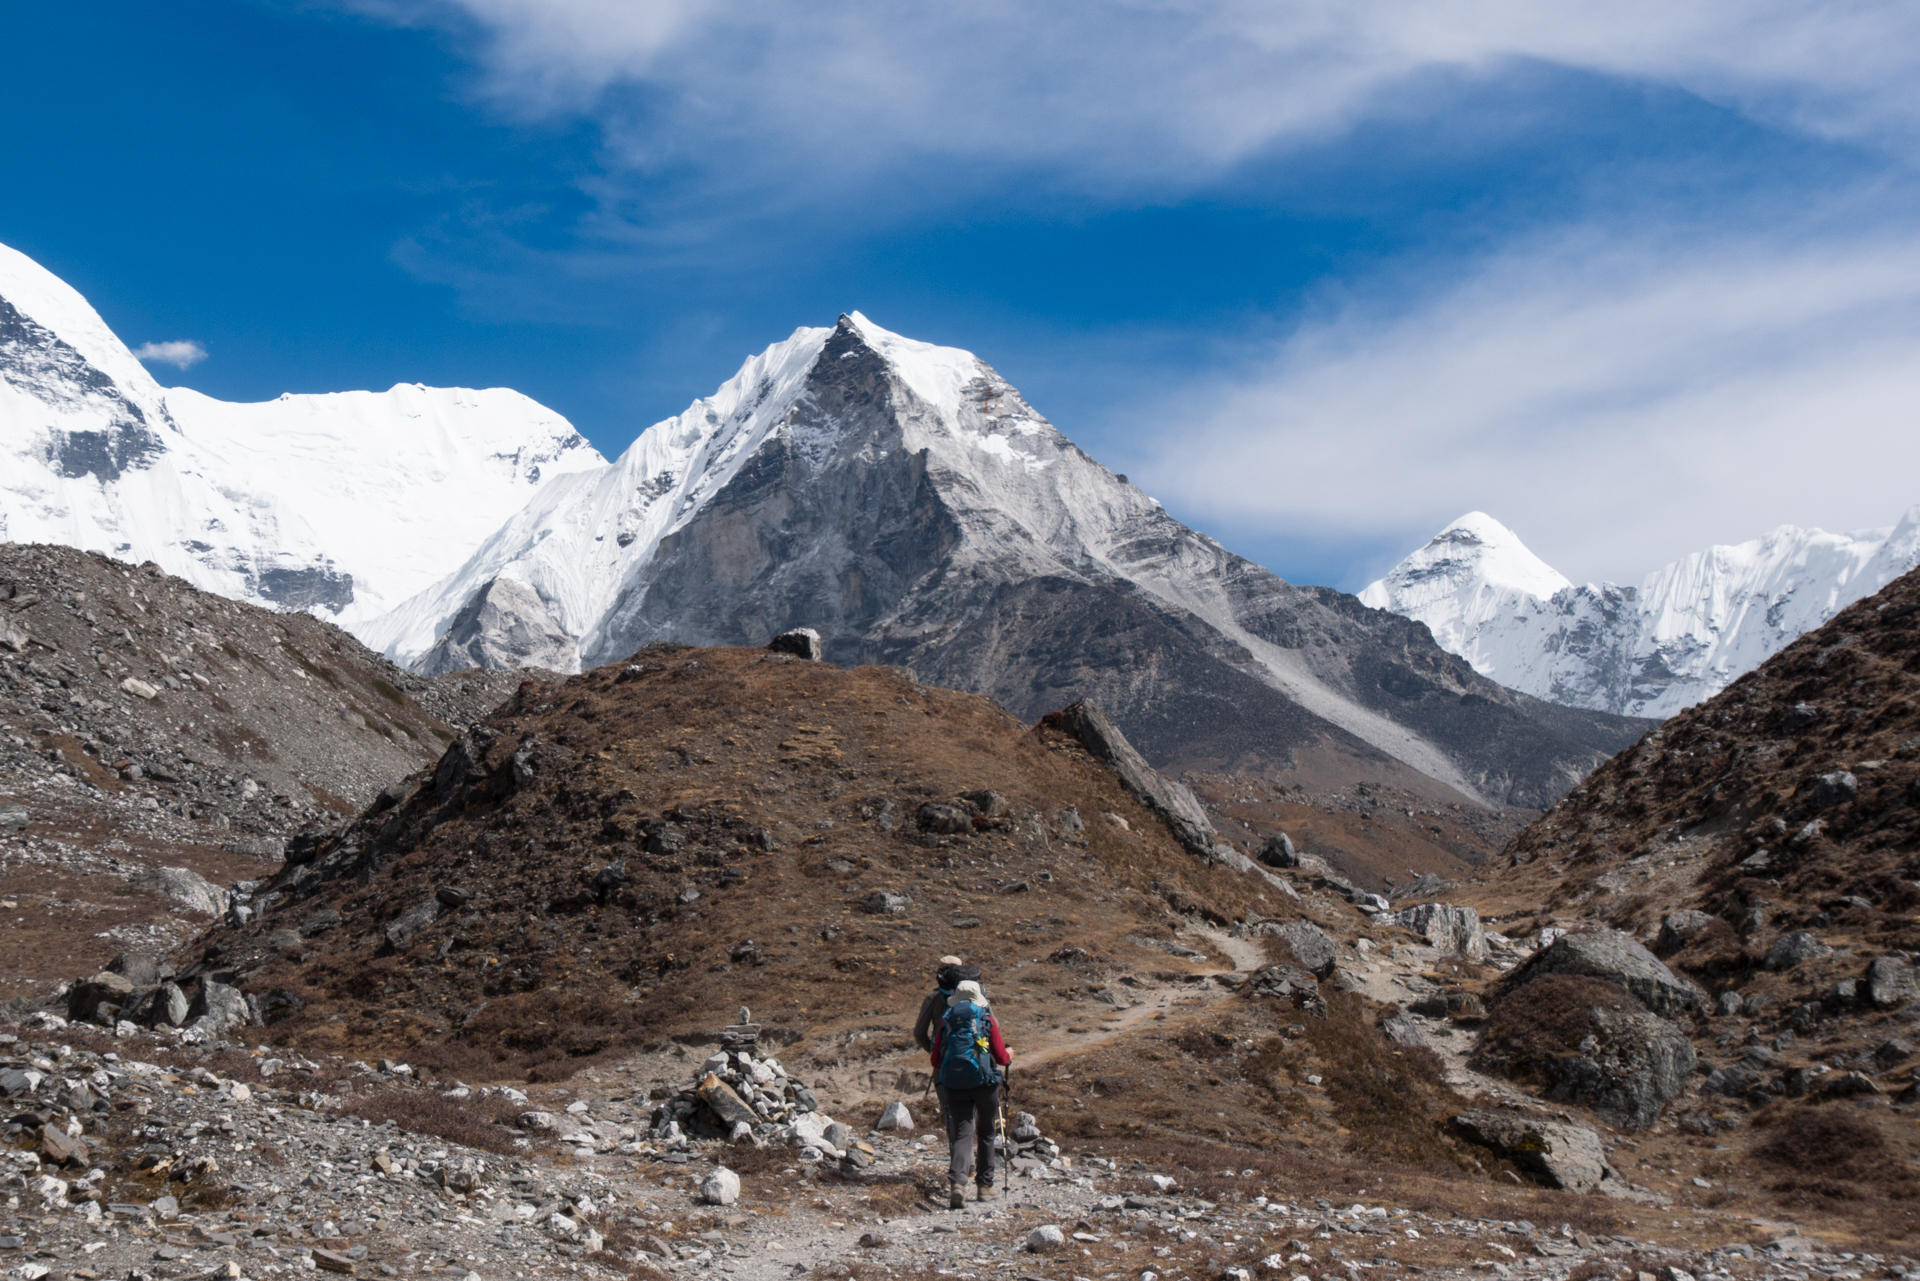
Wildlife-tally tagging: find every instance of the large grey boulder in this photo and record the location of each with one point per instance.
(1446, 926)
(1312, 950)
(218, 1010)
(1172, 801)
(801, 642)
(1628, 1070)
(86, 997)
(402, 929)
(504, 624)
(1620, 960)
(1891, 982)
(1564, 1156)
(1790, 949)
(1677, 929)
(1279, 852)
(184, 886)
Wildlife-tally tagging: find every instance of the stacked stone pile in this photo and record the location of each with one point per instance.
(1032, 1153)
(741, 1096)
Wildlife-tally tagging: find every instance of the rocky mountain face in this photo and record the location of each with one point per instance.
(343, 505)
(1678, 637)
(907, 503)
(159, 743)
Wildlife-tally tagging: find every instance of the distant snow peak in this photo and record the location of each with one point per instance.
(1683, 634)
(342, 504)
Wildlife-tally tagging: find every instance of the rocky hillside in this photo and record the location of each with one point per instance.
(1740, 889)
(608, 860)
(146, 725)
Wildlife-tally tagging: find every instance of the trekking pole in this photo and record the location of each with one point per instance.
(1006, 1137)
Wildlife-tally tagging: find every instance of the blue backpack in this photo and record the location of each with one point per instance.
(966, 1056)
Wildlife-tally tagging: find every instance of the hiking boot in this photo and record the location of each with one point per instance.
(956, 1196)
(986, 1192)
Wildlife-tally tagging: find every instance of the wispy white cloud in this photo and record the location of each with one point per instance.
(182, 353)
(1617, 401)
(1130, 92)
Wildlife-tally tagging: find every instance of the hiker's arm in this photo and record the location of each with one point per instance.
(1001, 1054)
(934, 1057)
(923, 1026)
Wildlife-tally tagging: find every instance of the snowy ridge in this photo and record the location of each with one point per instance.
(1683, 634)
(341, 504)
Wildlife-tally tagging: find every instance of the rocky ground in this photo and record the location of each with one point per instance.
(159, 744)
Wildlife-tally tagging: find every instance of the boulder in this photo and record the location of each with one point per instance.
(722, 1187)
(185, 886)
(463, 1174)
(1891, 982)
(1833, 789)
(1278, 851)
(1045, 1239)
(1628, 1070)
(141, 969)
(941, 819)
(1798, 717)
(1564, 1156)
(882, 903)
(1677, 929)
(1312, 950)
(218, 1010)
(13, 818)
(896, 1117)
(1620, 960)
(86, 997)
(1790, 949)
(1172, 801)
(1291, 984)
(801, 642)
(1446, 926)
(1402, 1030)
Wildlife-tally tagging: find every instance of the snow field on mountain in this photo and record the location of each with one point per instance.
(1684, 633)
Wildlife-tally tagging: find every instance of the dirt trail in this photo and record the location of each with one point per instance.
(1043, 1045)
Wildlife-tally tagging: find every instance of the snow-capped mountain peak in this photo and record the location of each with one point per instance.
(1473, 570)
(345, 503)
(1681, 635)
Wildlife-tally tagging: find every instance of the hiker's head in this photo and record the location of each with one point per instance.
(969, 990)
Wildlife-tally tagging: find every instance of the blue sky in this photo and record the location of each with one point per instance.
(1320, 276)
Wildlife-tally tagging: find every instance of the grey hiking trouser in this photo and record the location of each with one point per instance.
(970, 1132)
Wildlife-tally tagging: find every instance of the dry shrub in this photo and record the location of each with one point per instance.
(1391, 1098)
(1834, 1158)
(475, 1122)
(1542, 1020)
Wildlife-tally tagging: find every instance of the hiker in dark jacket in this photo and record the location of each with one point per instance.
(966, 1049)
(951, 974)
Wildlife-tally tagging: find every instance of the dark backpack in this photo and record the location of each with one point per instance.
(966, 1056)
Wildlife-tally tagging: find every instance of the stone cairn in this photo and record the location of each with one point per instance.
(1032, 1153)
(738, 1096)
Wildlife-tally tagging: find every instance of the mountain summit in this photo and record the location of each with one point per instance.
(905, 501)
(1681, 636)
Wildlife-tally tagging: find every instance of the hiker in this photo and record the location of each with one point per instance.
(951, 971)
(966, 1048)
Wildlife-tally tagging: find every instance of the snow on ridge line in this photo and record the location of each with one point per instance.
(342, 503)
(1685, 632)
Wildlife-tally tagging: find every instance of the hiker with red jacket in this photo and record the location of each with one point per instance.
(966, 1049)
(950, 974)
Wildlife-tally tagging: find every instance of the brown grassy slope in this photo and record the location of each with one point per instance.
(1665, 824)
(731, 751)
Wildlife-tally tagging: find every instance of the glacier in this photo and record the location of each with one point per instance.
(343, 504)
(1680, 636)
